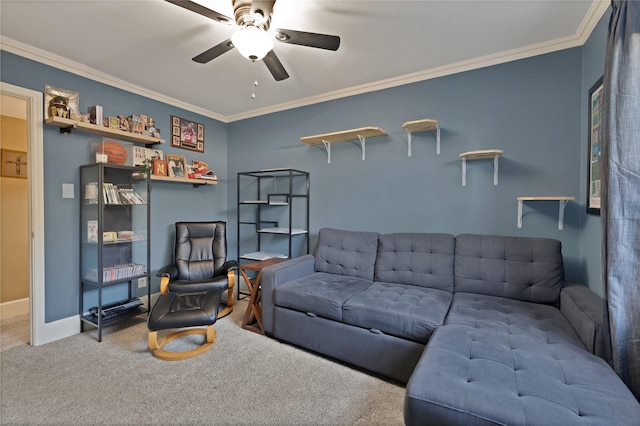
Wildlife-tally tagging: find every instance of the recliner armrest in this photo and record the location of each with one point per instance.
(229, 265)
(170, 271)
(274, 275)
(585, 312)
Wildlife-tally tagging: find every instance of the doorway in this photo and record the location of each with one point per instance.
(33, 102)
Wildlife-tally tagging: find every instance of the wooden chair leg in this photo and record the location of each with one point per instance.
(231, 276)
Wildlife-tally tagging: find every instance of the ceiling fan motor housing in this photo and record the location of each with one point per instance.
(256, 13)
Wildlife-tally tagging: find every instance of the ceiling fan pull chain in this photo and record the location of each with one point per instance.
(255, 81)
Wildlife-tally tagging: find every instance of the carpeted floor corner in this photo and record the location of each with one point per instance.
(245, 379)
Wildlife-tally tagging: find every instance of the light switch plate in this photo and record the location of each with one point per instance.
(67, 190)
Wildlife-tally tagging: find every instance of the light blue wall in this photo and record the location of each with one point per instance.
(63, 154)
(534, 109)
(593, 54)
(528, 108)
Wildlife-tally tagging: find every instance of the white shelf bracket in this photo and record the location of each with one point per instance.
(563, 203)
(520, 213)
(495, 170)
(408, 142)
(327, 148)
(362, 145)
(438, 139)
(464, 172)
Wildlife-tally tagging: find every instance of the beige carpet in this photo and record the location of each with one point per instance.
(245, 379)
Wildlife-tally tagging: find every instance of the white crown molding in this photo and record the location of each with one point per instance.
(598, 8)
(65, 64)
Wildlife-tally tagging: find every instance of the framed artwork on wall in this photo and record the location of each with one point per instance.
(14, 163)
(594, 169)
(187, 134)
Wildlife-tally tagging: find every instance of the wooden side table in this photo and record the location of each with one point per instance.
(253, 316)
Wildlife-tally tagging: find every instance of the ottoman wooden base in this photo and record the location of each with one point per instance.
(157, 347)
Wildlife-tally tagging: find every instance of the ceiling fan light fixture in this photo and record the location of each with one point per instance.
(252, 42)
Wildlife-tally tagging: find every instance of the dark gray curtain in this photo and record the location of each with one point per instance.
(621, 191)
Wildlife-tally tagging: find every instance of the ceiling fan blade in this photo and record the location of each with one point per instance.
(275, 66)
(201, 10)
(302, 38)
(214, 52)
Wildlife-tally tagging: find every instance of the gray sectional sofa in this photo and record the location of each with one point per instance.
(482, 328)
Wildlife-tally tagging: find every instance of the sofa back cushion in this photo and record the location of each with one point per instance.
(425, 260)
(349, 253)
(521, 268)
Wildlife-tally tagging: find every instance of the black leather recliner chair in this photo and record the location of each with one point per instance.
(200, 262)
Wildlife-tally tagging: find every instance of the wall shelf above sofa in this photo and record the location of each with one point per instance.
(563, 200)
(344, 136)
(424, 125)
(66, 125)
(481, 155)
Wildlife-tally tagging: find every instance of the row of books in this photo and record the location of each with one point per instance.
(117, 272)
(112, 194)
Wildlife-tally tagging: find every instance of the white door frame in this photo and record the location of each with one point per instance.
(35, 159)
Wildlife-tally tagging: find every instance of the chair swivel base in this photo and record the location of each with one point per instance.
(157, 346)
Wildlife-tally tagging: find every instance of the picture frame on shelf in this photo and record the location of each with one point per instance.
(595, 135)
(14, 163)
(176, 166)
(187, 134)
(159, 167)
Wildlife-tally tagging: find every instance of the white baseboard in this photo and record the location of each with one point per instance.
(61, 328)
(14, 308)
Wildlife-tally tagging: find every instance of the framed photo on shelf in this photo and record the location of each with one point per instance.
(187, 134)
(14, 163)
(176, 166)
(159, 167)
(594, 169)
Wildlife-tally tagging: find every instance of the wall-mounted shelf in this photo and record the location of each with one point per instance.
(481, 155)
(562, 203)
(344, 136)
(424, 125)
(194, 182)
(66, 125)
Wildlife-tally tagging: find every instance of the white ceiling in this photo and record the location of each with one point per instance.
(147, 46)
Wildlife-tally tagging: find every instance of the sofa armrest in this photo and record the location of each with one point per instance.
(273, 276)
(585, 312)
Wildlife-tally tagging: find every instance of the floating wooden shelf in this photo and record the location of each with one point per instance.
(343, 136)
(424, 125)
(185, 180)
(563, 200)
(480, 155)
(67, 124)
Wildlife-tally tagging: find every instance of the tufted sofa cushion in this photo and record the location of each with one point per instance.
(533, 321)
(346, 253)
(424, 260)
(319, 294)
(486, 376)
(521, 268)
(407, 311)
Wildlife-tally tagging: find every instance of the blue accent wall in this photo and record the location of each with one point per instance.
(534, 109)
(593, 55)
(63, 154)
(528, 108)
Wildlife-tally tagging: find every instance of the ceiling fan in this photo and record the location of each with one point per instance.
(253, 39)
